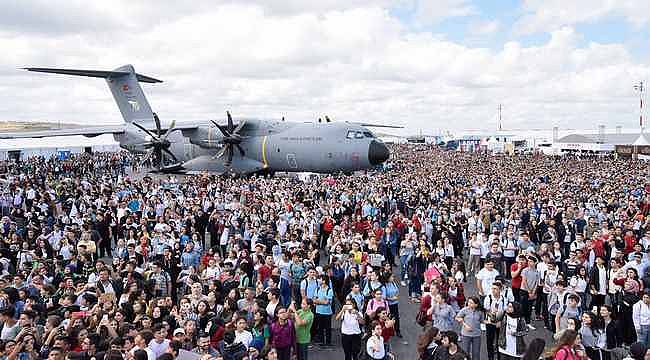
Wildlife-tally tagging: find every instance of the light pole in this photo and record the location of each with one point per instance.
(640, 89)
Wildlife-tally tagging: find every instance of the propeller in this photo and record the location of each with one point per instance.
(159, 143)
(231, 139)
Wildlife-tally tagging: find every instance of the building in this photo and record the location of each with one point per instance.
(594, 143)
(60, 146)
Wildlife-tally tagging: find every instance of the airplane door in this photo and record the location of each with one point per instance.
(291, 161)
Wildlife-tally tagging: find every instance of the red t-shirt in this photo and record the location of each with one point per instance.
(516, 280)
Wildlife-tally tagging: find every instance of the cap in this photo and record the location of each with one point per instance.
(179, 331)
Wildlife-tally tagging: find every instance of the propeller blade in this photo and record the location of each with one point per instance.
(220, 153)
(146, 157)
(172, 128)
(153, 136)
(240, 126)
(229, 154)
(157, 120)
(224, 131)
(241, 151)
(231, 126)
(171, 154)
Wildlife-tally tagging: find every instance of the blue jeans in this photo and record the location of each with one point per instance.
(414, 286)
(302, 351)
(643, 334)
(404, 266)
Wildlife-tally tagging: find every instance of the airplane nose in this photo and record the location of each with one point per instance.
(377, 153)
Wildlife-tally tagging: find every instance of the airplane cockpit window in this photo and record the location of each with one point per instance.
(368, 134)
(358, 135)
(350, 135)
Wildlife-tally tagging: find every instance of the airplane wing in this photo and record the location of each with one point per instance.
(378, 125)
(87, 131)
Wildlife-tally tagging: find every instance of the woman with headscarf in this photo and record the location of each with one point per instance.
(512, 332)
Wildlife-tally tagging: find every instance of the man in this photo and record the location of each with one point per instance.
(485, 278)
(203, 345)
(515, 275)
(309, 285)
(641, 319)
(496, 256)
(304, 320)
(529, 280)
(160, 343)
(106, 285)
(162, 280)
(494, 304)
(283, 334)
(598, 280)
(142, 341)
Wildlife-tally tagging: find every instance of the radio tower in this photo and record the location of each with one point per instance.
(500, 123)
(640, 88)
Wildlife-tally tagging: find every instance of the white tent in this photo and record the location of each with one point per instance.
(52, 145)
(642, 140)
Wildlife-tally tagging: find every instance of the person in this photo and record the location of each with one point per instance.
(592, 336)
(303, 320)
(534, 350)
(392, 297)
(470, 317)
(567, 311)
(641, 319)
(598, 283)
(375, 345)
(638, 351)
(512, 331)
(565, 347)
(485, 278)
(530, 278)
(283, 334)
(428, 343)
(323, 298)
(495, 305)
(352, 322)
(453, 351)
(442, 314)
(613, 339)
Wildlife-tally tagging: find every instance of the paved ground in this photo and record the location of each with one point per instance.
(405, 348)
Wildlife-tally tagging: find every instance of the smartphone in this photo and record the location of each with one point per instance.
(105, 317)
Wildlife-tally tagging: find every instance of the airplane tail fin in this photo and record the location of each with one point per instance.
(124, 85)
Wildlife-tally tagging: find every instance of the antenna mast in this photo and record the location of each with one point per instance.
(500, 123)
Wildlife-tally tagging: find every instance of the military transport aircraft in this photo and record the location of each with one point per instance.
(246, 147)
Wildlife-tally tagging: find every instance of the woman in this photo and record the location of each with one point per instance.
(592, 336)
(631, 287)
(260, 330)
(455, 293)
(375, 345)
(392, 297)
(470, 317)
(428, 343)
(351, 325)
(442, 314)
(571, 324)
(512, 332)
(578, 283)
(406, 252)
(565, 348)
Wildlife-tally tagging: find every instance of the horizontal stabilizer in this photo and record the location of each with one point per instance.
(94, 73)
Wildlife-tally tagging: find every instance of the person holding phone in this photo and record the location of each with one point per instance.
(351, 323)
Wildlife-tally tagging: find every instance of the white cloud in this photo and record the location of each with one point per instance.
(353, 63)
(549, 15)
(484, 28)
(429, 12)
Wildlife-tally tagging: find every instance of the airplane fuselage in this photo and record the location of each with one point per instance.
(280, 146)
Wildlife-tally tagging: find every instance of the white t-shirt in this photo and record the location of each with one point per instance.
(487, 278)
(244, 337)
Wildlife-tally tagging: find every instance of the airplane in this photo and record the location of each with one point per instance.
(246, 147)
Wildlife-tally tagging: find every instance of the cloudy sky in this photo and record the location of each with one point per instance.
(430, 65)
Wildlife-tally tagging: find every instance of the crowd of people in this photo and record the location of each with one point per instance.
(99, 261)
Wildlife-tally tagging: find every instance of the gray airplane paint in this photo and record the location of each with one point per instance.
(269, 146)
